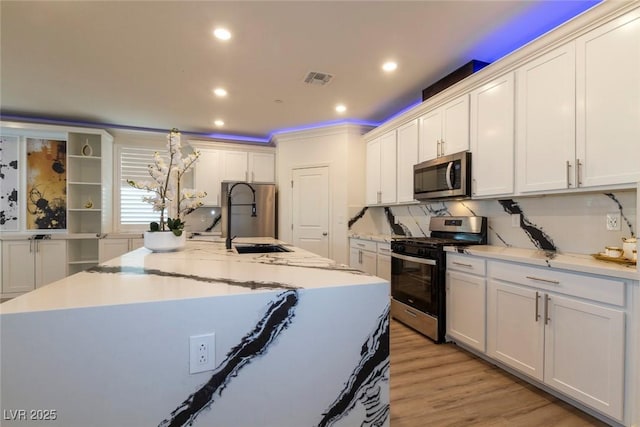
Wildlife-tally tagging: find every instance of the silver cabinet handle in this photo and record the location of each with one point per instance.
(579, 163)
(461, 264)
(253, 176)
(555, 282)
(360, 244)
(474, 186)
(359, 257)
(568, 174)
(442, 147)
(547, 298)
(537, 304)
(437, 148)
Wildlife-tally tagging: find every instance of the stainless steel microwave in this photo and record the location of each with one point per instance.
(443, 178)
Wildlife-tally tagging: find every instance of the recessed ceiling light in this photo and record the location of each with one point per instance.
(219, 123)
(222, 33)
(341, 108)
(389, 66)
(220, 92)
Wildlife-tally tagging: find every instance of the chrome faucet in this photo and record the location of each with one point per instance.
(229, 203)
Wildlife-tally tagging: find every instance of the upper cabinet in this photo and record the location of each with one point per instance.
(407, 151)
(608, 103)
(444, 130)
(492, 137)
(545, 106)
(218, 163)
(381, 170)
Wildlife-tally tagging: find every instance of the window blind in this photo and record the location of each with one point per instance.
(134, 163)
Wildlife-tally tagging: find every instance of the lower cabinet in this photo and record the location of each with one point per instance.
(466, 300)
(383, 264)
(113, 248)
(564, 330)
(362, 255)
(29, 264)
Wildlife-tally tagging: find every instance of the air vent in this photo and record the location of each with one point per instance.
(318, 78)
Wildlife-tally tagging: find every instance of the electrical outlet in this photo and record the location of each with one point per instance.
(202, 353)
(613, 221)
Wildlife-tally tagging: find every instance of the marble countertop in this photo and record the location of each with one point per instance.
(567, 261)
(203, 269)
(382, 238)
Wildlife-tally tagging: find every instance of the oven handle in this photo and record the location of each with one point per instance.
(414, 259)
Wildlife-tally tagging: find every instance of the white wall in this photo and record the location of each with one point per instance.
(342, 149)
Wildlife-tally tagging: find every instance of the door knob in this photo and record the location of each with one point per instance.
(325, 233)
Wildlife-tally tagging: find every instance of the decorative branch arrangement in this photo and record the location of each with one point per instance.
(169, 196)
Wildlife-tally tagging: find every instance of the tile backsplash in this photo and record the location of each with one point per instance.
(573, 223)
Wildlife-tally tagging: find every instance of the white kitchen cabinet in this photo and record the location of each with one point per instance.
(565, 330)
(492, 138)
(381, 170)
(29, 264)
(362, 255)
(545, 131)
(383, 263)
(217, 164)
(206, 176)
(233, 165)
(608, 103)
(112, 248)
(466, 300)
(407, 151)
(262, 167)
(444, 130)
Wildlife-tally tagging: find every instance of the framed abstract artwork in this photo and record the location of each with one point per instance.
(9, 183)
(46, 191)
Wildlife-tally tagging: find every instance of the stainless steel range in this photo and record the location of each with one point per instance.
(418, 272)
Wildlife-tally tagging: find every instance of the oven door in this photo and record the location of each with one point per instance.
(414, 282)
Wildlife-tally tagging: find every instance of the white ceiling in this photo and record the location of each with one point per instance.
(153, 64)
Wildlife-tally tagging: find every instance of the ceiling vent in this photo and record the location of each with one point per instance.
(317, 78)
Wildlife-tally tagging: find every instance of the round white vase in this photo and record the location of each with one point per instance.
(164, 241)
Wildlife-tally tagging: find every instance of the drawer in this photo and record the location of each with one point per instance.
(466, 263)
(597, 288)
(384, 248)
(365, 245)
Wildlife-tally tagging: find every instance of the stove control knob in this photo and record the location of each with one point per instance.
(397, 247)
(421, 252)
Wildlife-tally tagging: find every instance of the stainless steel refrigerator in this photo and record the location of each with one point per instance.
(243, 224)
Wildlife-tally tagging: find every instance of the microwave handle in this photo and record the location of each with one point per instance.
(448, 175)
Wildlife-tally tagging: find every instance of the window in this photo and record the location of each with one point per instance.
(134, 213)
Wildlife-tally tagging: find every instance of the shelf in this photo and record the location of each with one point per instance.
(84, 261)
(83, 183)
(75, 156)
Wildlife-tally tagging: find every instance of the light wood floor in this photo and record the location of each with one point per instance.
(443, 385)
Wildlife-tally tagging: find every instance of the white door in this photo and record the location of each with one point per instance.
(262, 167)
(429, 135)
(608, 95)
(515, 327)
(51, 261)
(545, 121)
(18, 260)
(584, 353)
(233, 165)
(388, 167)
(206, 176)
(466, 308)
(372, 195)
(310, 217)
(455, 126)
(407, 157)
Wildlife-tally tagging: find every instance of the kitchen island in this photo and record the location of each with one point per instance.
(298, 340)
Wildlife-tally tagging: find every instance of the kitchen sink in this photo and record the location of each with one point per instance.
(260, 248)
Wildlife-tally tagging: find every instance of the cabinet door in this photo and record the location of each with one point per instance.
(430, 135)
(383, 267)
(545, 131)
(584, 355)
(455, 126)
(262, 167)
(369, 262)
(372, 195)
(233, 165)
(515, 327)
(354, 258)
(492, 137)
(51, 261)
(388, 166)
(466, 309)
(112, 248)
(18, 260)
(608, 95)
(407, 157)
(207, 176)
